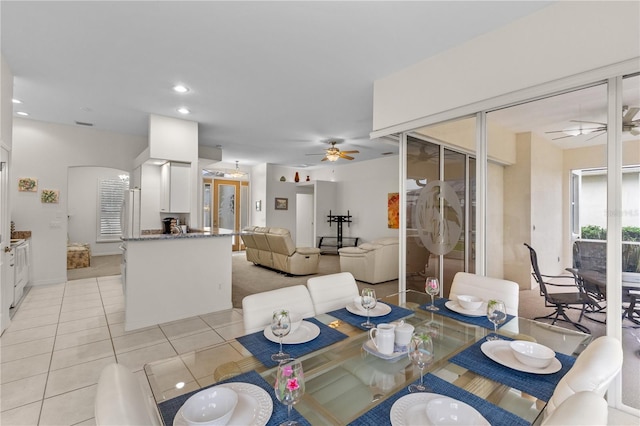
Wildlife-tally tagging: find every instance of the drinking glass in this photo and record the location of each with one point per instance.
(368, 301)
(421, 355)
(432, 287)
(497, 314)
(280, 327)
(289, 385)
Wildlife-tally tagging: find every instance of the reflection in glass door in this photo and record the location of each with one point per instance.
(437, 199)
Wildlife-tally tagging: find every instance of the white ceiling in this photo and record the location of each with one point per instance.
(269, 80)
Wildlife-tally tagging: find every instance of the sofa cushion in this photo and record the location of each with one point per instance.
(370, 246)
(387, 241)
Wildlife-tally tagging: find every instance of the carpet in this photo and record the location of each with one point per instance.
(249, 278)
(101, 266)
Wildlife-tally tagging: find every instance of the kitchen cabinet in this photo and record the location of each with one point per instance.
(175, 188)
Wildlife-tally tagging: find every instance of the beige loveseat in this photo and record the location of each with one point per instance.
(373, 262)
(274, 248)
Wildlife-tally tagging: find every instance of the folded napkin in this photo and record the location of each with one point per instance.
(168, 409)
(479, 321)
(355, 320)
(262, 348)
(380, 414)
(539, 385)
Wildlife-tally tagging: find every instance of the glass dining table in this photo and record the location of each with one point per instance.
(348, 383)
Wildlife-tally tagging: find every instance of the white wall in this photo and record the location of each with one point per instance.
(561, 40)
(82, 208)
(363, 190)
(45, 151)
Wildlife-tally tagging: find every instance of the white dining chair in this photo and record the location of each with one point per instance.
(593, 371)
(120, 401)
(333, 291)
(584, 408)
(486, 288)
(257, 309)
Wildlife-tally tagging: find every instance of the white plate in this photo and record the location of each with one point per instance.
(380, 310)
(371, 348)
(412, 410)
(305, 333)
(455, 307)
(254, 406)
(500, 351)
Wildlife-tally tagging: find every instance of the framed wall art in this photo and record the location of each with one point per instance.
(282, 203)
(49, 196)
(28, 185)
(393, 210)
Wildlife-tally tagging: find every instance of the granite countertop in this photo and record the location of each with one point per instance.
(154, 235)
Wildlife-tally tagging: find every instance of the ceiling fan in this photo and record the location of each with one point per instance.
(597, 128)
(333, 153)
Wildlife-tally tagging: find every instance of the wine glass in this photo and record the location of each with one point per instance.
(432, 287)
(421, 355)
(497, 314)
(280, 327)
(289, 385)
(368, 301)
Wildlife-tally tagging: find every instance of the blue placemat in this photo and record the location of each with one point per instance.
(539, 385)
(379, 415)
(355, 320)
(169, 409)
(479, 321)
(262, 348)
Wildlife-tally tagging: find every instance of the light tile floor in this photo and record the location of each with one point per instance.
(62, 336)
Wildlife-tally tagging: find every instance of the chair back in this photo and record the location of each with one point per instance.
(333, 291)
(120, 400)
(257, 309)
(593, 371)
(486, 288)
(537, 275)
(580, 409)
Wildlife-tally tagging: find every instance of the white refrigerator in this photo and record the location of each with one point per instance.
(131, 213)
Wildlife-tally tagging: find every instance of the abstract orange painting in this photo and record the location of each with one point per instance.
(393, 210)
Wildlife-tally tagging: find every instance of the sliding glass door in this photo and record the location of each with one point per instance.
(439, 197)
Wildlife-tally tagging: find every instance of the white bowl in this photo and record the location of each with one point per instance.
(448, 411)
(470, 303)
(357, 302)
(212, 406)
(296, 320)
(532, 354)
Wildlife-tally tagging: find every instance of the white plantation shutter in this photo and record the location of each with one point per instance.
(110, 197)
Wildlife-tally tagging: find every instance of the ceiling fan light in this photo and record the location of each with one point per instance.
(573, 132)
(333, 156)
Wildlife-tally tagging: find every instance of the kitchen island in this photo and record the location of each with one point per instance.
(168, 277)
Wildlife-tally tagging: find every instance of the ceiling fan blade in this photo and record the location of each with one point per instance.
(317, 154)
(628, 116)
(592, 122)
(594, 136)
(346, 157)
(350, 152)
(563, 137)
(324, 159)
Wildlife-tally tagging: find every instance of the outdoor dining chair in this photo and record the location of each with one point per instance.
(573, 298)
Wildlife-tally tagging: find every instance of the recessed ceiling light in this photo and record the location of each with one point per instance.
(16, 101)
(183, 110)
(24, 114)
(180, 88)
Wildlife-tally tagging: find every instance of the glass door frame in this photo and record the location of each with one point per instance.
(613, 76)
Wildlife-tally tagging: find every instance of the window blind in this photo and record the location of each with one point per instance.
(111, 193)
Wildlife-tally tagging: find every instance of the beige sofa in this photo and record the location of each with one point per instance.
(274, 248)
(373, 262)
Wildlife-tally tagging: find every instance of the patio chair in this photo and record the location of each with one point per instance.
(575, 298)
